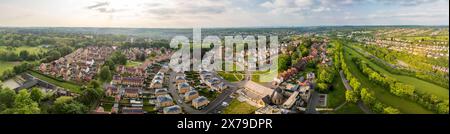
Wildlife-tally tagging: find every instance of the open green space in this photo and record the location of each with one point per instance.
(237, 107)
(336, 96)
(149, 109)
(31, 50)
(70, 86)
(264, 76)
(349, 108)
(133, 63)
(421, 85)
(231, 76)
(4, 65)
(381, 93)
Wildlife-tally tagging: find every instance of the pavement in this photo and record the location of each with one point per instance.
(361, 105)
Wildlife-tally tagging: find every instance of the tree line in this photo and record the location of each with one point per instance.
(400, 89)
(35, 101)
(358, 93)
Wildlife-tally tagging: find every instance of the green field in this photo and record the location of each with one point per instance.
(31, 50)
(6, 65)
(421, 86)
(72, 87)
(381, 93)
(337, 95)
(349, 108)
(232, 77)
(133, 63)
(237, 107)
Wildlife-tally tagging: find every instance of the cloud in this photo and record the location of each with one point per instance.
(98, 4)
(104, 7)
(406, 2)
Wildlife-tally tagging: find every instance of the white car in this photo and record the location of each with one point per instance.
(224, 104)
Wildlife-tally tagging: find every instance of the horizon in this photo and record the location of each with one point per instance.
(113, 27)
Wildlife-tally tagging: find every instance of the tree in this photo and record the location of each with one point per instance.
(94, 84)
(67, 105)
(118, 58)
(355, 84)
(323, 87)
(367, 97)
(7, 97)
(36, 94)
(325, 74)
(24, 55)
(53, 55)
(90, 96)
(391, 110)
(23, 104)
(284, 61)
(350, 96)
(105, 74)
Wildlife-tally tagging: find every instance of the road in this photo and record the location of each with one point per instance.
(178, 100)
(361, 105)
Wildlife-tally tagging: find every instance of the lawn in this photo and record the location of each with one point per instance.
(264, 76)
(421, 86)
(381, 93)
(133, 63)
(237, 107)
(349, 108)
(232, 77)
(337, 94)
(70, 86)
(149, 109)
(4, 65)
(211, 95)
(31, 50)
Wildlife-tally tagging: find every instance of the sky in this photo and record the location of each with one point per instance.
(220, 13)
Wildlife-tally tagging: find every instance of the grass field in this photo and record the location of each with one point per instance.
(349, 108)
(4, 65)
(421, 86)
(72, 87)
(133, 63)
(31, 50)
(264, 76)
(337, 95)
(381, 93)
(232, 77)
(237, 107)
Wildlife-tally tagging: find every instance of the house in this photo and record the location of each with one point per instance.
(304, 93)
(111, 91)
(136, 103)
(161, 91)
(200, 102)
(180, 79)
(254, 93)
(164, 101)
(131, 92)
(268, 110)
(310, 76)
(175, 109)
(117, 80)
(115, 108)
(183, 88)
(156, 84)
(189, 96)
(133, 81)
(132, 110)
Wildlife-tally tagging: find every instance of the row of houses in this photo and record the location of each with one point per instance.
(214, 83)
(80, 66)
